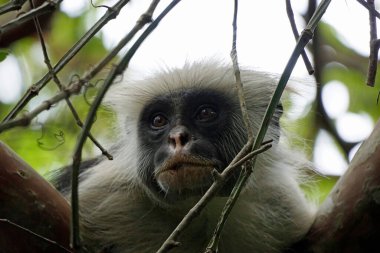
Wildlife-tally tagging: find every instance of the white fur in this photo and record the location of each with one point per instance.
(116, 209)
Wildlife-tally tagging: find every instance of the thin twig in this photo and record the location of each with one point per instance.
(214, 242)
(33, 91)
(76, 86)
(47, 7)
(290, 13)
(141, 22)
(51, 242)
(306, 36)
(323, 120)
(14, 5)
(239, 84)
(116, 71)
(60, 86)
(44, 106)
(250, 155)
(374, 45)
(210, 193)
(369, 8)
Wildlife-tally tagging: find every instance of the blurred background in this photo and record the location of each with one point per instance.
(328, 120)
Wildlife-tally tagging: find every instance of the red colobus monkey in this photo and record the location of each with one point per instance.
(175, 127)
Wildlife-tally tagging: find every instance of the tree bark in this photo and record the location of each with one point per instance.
(349, 219)
(34, 217)
(32, 211)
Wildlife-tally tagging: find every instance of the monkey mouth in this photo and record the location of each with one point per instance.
(182, 174)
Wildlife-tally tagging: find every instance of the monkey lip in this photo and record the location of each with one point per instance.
(184, 172)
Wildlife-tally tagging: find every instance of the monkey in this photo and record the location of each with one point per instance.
(173, 129)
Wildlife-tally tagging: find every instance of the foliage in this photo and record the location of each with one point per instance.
(48, 143)
(50, 138)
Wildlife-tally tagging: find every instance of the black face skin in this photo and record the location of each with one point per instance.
(186, 126)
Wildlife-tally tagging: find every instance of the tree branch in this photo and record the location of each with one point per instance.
(48, 6)
(369, 8)
(220, 179)
(307, 34)
(374, 45)
(214, 242)
(31, 210)
(14, 5)
(76, 85)
(116, 71)
(33, 91)
(290, 13)
(46, 105)
(60, 86)
(348, 220)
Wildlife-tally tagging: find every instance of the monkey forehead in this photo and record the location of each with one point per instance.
(129, 97)
(190, 96)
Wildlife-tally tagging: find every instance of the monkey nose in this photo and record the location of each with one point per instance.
(178, 138)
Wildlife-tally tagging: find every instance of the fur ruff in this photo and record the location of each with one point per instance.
(120, 214)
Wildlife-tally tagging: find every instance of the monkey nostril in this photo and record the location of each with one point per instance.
(178, 139)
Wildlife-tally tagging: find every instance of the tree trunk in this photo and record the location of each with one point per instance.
(34, 217)
(349, 219)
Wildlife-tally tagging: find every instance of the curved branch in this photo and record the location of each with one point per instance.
(35, 88)
(116, 71)
(47, 7)
(348, 221)
(14, 5)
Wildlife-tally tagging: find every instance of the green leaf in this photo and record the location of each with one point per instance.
(3, 54)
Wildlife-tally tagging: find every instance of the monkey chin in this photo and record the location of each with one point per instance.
(183, 176)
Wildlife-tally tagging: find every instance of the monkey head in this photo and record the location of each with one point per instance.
(189, 123)
(186, 134)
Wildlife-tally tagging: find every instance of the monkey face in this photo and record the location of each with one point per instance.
(185, 135)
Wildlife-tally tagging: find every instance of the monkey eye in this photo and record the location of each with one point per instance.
(206, 113)
(159, 121)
